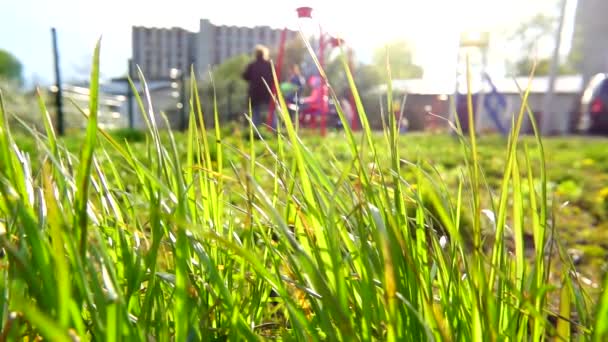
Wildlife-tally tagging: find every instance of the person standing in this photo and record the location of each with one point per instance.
(298, 81)
(261, 81)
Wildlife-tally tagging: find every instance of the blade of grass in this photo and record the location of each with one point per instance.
(56, 224)
(86, 156)
(45, 324)
(600, 332)
(563, 323)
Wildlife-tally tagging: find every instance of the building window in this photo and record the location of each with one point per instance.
(277, 36)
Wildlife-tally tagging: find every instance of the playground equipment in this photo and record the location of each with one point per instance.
(492, 103)
(315, 105)
(318, 104)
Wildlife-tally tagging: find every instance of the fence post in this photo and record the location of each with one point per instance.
(58, 94)
(130, 95)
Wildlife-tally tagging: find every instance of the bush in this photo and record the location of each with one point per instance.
(127, 134)
(19, 105)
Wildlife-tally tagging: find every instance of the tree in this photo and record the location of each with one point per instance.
(10, 67)
(523, 67)
(231, 69)
(295, 53)
(229, 87)
(368, 77)
(19, 104)
(400, 60)
(532, 32)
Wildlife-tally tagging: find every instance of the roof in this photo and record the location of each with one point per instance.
(112, 92)
(120, 88)
(82, 93)
(570, 84)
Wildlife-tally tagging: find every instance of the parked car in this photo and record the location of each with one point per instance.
(594, 106)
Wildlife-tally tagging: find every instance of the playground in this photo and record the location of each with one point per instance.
(442, 214)
(307, 95)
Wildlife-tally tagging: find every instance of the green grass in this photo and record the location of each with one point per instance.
(215, 235)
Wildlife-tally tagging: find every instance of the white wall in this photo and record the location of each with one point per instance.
(563, 105)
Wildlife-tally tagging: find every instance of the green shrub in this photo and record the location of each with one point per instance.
(129, 135)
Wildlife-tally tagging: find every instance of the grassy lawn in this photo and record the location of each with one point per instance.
(130, 207)
(577, 174)
(218, 234)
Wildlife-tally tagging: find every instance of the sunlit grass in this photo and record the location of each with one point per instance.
(205, 247)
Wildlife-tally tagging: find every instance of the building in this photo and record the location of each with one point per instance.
(158, 50)
(423, 97)
(76, 101)
(164, 98)
(591, 29)
(218, 43)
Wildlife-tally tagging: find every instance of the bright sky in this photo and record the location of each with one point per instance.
(431, 25)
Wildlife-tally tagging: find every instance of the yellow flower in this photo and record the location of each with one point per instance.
(588, 162)
(603, 193)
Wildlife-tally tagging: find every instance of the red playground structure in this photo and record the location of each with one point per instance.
(317, 104)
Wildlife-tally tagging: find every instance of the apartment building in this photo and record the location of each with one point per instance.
(158, 50)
